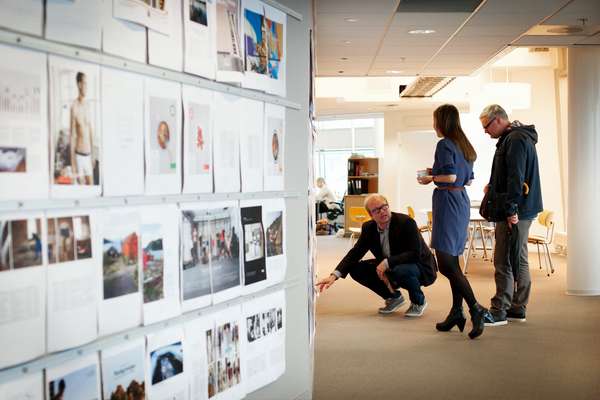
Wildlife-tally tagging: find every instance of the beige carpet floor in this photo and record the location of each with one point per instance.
(362, 355)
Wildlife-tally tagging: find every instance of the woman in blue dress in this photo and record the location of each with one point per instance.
(452, 170)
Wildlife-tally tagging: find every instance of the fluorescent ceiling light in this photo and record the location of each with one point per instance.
(351, 20)
(361, 89)
(421, 31)
(393, 71)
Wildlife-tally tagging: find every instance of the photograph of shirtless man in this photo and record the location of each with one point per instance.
(81, 128)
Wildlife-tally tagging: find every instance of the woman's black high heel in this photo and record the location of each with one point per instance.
(455, 317)
(477, 318)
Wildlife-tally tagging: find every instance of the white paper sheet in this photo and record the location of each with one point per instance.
(196, 347)
(199, 23)
(264, 47)
(74, 260)
(263, 340)
(78, 379)
(22, 287)
(123, 370)
(166, 49)
(163, 136)
(225, 361)
(230, 64)
(75, 22)
(75, 139)
(274, 219)
(251, 149)
(122, 132)
(225, 250)
(22, 15)
(28, 387)
(122, 38)
(254, 248)
(166, 369)
(152, 14)
(195, 256)
(274, 147)
(121, 305)
(23, 124)
(198, 112)
(226, 142)
(160, 261)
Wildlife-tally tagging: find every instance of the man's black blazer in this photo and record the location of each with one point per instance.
(406, 247)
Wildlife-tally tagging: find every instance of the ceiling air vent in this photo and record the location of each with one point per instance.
(425, 86)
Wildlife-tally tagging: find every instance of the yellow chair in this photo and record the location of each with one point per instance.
(422, 228)
(546, 219)
(357, 215)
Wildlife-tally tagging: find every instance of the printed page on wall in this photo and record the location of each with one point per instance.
(225, 358)
(251, 139)
(75, 131)
(263, 340)
(74, 22)
(254, 252)
(121, 305)
(122, 38)
(74, 260)
(274, 147)
(163, 136)
(123, 371)
(166, 369)
(23, 123)
(27, 387)
(225, 231)
(227, 143)
(165, 48)
(122, 132)
(230, 64)
(23, 15)
(153, 14)
(200, 29)
(275, 223)
(198, 112)
(76, 379)
(195, 256)
(264, 47)
(23, 287)
(198, 347)
(159, 234)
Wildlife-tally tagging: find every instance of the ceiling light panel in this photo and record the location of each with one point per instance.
(447, 6)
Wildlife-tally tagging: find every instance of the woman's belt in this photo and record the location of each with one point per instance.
(452, 188)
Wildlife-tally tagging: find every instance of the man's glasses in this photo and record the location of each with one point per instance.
(379, 209)
(489, 123)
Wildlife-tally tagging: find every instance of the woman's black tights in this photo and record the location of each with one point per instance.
(461, 289)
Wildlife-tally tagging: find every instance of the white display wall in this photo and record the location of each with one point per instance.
(125, 249)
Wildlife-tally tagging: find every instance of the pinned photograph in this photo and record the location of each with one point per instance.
(199, 152)
(152, 262)
(195, 255)
(198, 12)
(275, 130)
(123, 375)
(229, 57)
(254, 245)
(224, 249)
(166, 362)
(13, 159)
(75, 137)
(275, 46)
(120, 265)
(263, 324)
(274, 223)
(255, 40)
(20, 244)
(83, 237)
(66, 239)
(163, 122)
(52, 246)
(223, 347)
(81, 384)
(5, 262)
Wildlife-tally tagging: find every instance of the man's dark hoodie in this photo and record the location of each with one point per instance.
(515, 163)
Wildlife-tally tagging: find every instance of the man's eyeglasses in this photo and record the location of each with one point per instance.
(489, 123)
(379, 209)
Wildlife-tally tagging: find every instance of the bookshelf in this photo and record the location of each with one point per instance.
(363, 178)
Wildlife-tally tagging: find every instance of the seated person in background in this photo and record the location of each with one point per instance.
(325, 198)
(402, 259)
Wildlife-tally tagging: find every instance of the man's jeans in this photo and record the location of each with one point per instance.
(506, 297)
(408, 276)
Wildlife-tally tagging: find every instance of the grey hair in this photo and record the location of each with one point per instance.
(321, 180)
(373, 196)
(492, 111)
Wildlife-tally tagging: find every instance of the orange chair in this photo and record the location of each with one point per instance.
(357, 215)
(546, 219)
(422, 228)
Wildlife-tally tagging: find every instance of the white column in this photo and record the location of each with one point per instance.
(583, 266)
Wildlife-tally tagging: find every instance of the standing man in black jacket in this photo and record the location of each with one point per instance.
(514, 198)
(402, 259)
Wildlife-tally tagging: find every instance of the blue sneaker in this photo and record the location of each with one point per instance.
(490, 319)
(392, 304)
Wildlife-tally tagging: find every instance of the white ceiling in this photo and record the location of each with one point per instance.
(463, 41)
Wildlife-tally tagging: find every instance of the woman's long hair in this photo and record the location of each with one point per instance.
(447, 121)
